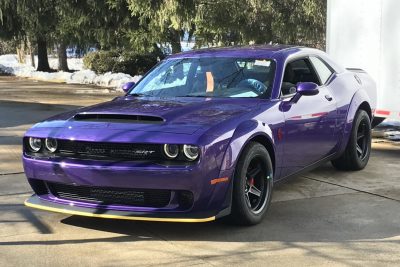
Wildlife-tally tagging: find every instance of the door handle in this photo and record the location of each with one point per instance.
(328, 97)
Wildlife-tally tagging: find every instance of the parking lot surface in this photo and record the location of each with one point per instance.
(323, 218)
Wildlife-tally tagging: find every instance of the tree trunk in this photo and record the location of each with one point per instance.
(32, 53)
(21, 52)
(43, 61)
(175, 41)
(62, 57)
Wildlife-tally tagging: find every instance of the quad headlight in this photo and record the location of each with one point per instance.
(51, 144)
(171, 151)
(181, 152)
(191, 152)
(35, 144)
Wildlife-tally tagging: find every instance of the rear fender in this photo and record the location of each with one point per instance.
(360, 98)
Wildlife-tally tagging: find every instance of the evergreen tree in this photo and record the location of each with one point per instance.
(231, 22)
(34, 20)
(138, 25)
(163, 21)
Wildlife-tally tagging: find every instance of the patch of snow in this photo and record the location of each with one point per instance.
(73, 63)
(108, 79)
(9, 64)
(8, 60)
(82, 77)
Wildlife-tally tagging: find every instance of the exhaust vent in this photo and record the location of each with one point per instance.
(119, 118)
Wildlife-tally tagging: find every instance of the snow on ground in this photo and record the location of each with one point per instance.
(9, 64)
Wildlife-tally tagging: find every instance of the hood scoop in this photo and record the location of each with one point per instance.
(118, 118)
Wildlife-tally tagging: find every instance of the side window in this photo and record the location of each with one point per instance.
(324, 72)
(295, 72)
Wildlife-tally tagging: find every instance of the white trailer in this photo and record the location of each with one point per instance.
(366, 34)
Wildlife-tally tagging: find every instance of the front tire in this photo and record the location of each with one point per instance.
(358, 149)
(252, 185)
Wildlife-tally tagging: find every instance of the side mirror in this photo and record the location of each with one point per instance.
(307, 88)
(127, 86)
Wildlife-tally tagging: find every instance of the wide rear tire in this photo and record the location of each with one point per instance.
(358, 149)
(252, 185)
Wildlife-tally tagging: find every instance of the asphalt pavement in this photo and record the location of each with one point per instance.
(322, 218)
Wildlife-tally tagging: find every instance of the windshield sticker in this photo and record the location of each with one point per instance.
(265, 63)
(210, 82)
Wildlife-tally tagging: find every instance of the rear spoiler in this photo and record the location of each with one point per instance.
(356, 70)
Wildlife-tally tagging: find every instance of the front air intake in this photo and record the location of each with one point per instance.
(154, 198)
(119, 118)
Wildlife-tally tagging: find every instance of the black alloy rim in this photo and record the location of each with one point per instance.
(362, 140)
(256, 186)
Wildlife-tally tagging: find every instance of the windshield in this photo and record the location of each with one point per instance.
(208, 77)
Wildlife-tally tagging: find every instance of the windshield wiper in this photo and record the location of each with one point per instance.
(192, 96)
(138, 94)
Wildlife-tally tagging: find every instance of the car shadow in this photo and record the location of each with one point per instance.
(16, 113)
(10, 140)
(294, 230)
(337, 218)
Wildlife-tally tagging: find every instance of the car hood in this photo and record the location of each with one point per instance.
(170, 115)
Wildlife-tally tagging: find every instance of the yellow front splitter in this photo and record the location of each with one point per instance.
(35, 202)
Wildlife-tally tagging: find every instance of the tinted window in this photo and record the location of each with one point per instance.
(296, 72)
(322, 69)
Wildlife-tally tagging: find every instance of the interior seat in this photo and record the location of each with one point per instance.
(288, 83)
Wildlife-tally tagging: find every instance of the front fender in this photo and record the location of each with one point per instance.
(241, 136)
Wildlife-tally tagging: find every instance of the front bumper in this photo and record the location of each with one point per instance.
(38, 203)
(209, 199)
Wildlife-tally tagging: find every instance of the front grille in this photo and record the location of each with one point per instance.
(156, 198)
(113, 151)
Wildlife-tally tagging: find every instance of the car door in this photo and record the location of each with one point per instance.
(310, 123)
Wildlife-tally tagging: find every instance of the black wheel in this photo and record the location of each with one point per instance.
(252, 185)
(358, 149)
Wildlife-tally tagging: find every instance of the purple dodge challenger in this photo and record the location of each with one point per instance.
(203, 135)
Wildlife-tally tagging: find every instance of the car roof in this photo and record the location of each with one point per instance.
(255, 51)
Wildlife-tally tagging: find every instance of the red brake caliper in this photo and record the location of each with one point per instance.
(251, 181)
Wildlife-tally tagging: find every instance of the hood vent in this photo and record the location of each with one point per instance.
(118, 118)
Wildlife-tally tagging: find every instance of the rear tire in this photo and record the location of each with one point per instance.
(252, 185)
(358, 149)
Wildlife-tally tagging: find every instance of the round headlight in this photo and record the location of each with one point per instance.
(35, 144)
(191, 152)
(171, 151)
(51, 144)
